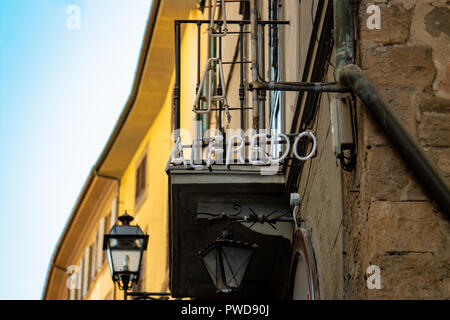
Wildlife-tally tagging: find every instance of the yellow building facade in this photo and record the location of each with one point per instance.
(129, 176)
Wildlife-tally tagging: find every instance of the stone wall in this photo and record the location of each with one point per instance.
(389, 219)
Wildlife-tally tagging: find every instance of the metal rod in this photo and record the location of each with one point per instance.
(254, 57)
(199, 116)
(248, 220)
(216, 109)
(237, 32)
(177, 88)
(241, 75)
(227, 1)
(233, 21)
(209, 55)
(198, 53)
(220, 103)
(236, 62)
(270, 56)
(298, 86)
(261, 73)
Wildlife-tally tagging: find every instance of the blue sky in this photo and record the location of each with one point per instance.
(61, 92)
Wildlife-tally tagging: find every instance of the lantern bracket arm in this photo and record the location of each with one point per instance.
(148, 295)
(252, 217)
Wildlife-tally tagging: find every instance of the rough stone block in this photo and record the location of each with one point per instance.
(395, 22)
(445, 83)
(442, 159)
(430, 27)
(388, 178)
(407, 4)
(400, 67)
(434, 129)
(428, 102)
(412, 276)
(402, 227)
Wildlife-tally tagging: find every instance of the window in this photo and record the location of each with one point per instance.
(70, 294)
(93, 257)
(113, 215)
(85, 266)
(140, 178)
(79, 280)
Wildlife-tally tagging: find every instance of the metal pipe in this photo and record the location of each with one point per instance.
(254, 57)
(199, 116)
(236, 21)
(118, 186)
(177, 89)
(272, 57)
(241, 76)
(299, 86)
(220, 89)
(198, 53)
(426, 171)
(261, 73)
(343, 33)
(208, 56)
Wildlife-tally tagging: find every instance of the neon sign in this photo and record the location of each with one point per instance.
(235, 149)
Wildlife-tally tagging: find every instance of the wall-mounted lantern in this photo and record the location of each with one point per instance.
(125, 246)
(226, 261)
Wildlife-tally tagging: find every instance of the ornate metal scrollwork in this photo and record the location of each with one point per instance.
(237, 217)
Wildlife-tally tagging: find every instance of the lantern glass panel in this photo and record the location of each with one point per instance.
(125, 245)
(235, 263)
(226, 262)
(210, 261)
(124, 259)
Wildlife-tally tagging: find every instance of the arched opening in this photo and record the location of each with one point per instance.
(303, 276)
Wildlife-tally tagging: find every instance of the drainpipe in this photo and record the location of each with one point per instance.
(117, 203)
(352, 77)
(118, 187)
(343, 33)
